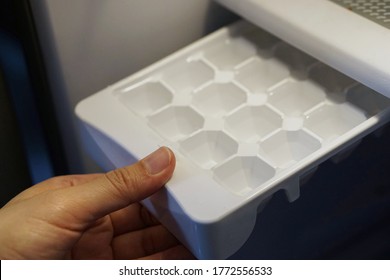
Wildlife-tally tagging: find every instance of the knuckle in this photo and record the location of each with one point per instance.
(148, 243)
(126, 179)
(147, 218)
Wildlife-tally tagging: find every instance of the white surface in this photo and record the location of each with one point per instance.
(89, 44)
(333, 34)
(237, 139)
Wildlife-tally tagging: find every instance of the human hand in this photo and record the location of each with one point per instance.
(96, 216)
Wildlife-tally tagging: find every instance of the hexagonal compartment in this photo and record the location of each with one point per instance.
(294, 98)
(334, 82)
(367, 99)
(230, 53)
(263, 40)
(251, 123)
(297, 61)
(175, 123)
(259, 75)
(218, 99)
(243, 174)
(331, 121)
(208, 148)
(287, 147)
(146, 98)
(186, 76)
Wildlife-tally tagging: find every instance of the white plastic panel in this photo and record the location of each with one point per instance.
(345, 35)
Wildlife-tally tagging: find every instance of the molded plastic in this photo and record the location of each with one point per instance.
(245, 120)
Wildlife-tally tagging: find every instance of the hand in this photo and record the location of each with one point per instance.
(96, 216)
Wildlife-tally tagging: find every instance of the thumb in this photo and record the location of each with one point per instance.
(119, 188)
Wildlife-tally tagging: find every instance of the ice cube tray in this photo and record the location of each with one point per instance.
(246, 115)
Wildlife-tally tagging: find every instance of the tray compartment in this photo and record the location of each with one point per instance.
(252, 123)
(209, 148)
(367, 100)
(331, 121)
(229, 53)
(243, 174)
(185, 76)
(146, 98)
(294, 98)
(288, 147)
(334, 83)
(175, 123)
(259, 75)
(298, 62)
(218, 99)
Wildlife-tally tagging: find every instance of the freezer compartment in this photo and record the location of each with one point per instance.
(246, 114)
(351, 36)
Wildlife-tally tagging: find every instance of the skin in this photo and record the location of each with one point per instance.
(95, 216)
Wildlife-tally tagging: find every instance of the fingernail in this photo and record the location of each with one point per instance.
(157, 161)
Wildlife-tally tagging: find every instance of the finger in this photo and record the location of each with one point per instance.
(178, 252)
(141, 243)
(116, 189)
(131, 218)
(68, 181)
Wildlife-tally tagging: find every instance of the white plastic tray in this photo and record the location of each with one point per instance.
(246, 115)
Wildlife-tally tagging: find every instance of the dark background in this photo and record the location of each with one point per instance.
(30, 144)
